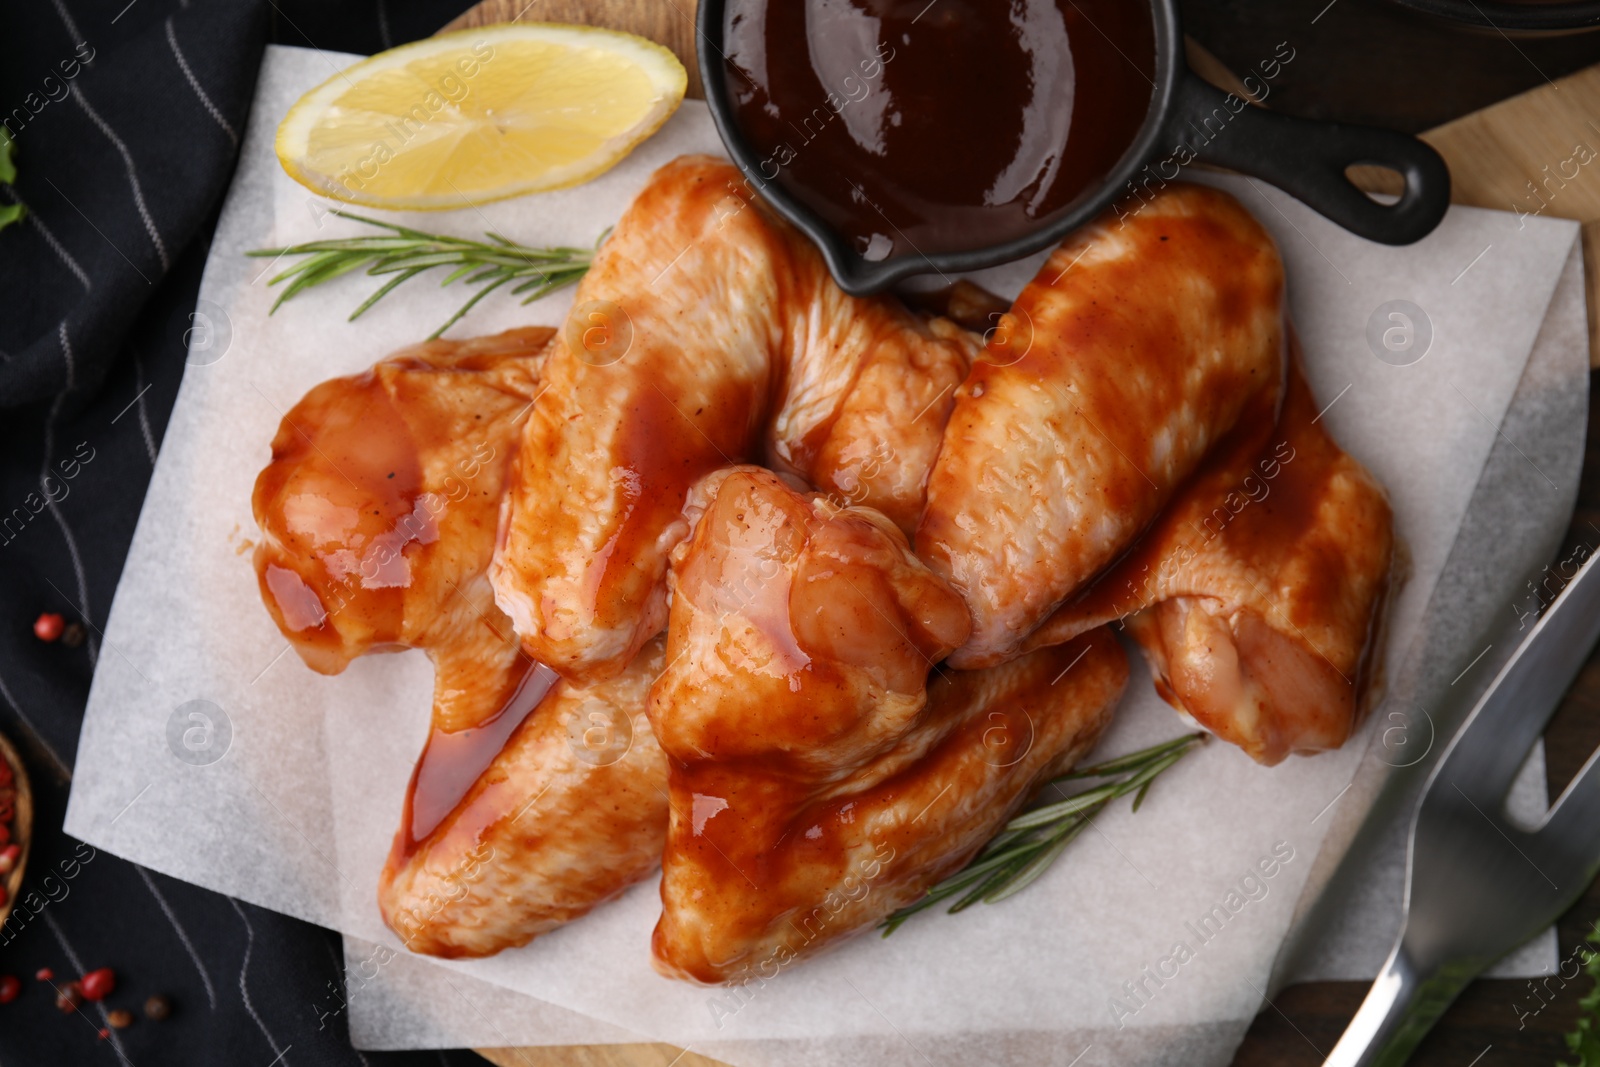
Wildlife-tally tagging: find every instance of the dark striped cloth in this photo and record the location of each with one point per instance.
(127, 118)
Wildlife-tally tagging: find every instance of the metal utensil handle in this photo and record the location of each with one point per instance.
(1400, 1008)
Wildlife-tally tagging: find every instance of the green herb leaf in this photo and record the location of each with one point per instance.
(406, 253)
(1034, 840)
(9, 213)
(1585, 1039)
(8, 170)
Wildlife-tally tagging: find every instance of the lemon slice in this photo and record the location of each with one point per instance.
(479, 115)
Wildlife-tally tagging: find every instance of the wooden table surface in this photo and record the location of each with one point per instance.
(1494, 155)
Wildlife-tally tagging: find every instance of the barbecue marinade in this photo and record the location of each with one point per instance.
(912, 127)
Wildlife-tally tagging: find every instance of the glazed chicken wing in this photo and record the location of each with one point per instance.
(1131, 353)
(534, 799)
(1258, 596)
(869, 390)
(378, 515)
(706, 333)
(571, 812)
(817, 781)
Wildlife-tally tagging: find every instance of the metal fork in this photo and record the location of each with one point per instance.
(1477, 884)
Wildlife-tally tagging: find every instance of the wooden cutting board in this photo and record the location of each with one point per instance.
(1523, 154)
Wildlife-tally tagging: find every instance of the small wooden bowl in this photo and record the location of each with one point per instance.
(21, 825)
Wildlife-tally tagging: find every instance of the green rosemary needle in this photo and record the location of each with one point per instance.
(14, 211)
(1031, 841)
(406, 253)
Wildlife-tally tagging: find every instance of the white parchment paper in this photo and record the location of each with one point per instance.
(406, 1002)
(293, 803)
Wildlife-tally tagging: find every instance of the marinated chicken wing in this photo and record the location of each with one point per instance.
(1258, 596)
(869, 390)
(817, 781)
(706, 333)
(378, 514)
(534, 799)
(1132, 352)
(569, 813)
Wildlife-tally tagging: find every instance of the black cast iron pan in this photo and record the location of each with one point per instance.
(1189, 119)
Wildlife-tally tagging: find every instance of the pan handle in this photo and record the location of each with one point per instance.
(1307, 159)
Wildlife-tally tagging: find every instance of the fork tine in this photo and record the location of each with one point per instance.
(1491, 747)
(1483, 763)
(1573, 825)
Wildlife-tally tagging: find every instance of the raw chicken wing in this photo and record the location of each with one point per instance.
(378, 515)
(706, 333)
(818, 781)
(534, 800)
(1259, 594)
(1131, 353)
(571, 812)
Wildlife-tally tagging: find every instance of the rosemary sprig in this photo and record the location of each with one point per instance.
(406, 253)
(1584, 1039)
(1030, 843)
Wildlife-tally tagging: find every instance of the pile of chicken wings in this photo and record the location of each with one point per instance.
(799, 596)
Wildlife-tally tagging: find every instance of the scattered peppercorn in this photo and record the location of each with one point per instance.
(45, 974)
(48, 627)
(73, 636)
(69, 998)
(120, 1019)
(10, 988)
(104, 1033)
(98, 984)
(157, 1007)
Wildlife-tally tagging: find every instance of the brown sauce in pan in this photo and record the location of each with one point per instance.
(915, 126)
